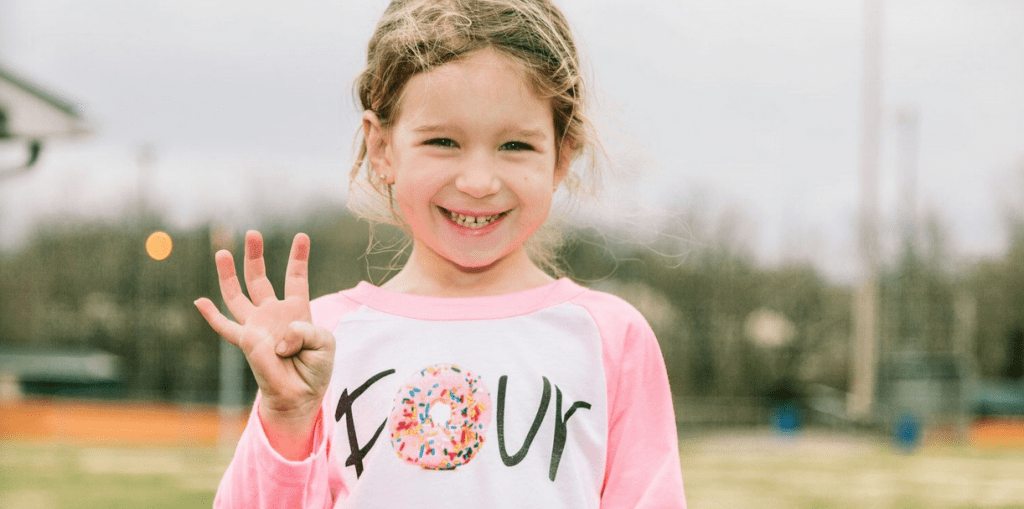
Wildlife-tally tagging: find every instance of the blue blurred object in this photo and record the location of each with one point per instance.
(906, 432)
(786, 417)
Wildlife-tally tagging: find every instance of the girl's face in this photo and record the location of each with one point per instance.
(473, 160)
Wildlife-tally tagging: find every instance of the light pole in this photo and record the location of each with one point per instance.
(861, 402)
(231, 386)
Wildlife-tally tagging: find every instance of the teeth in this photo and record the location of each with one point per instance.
(471, 221)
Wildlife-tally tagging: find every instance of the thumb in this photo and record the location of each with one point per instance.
(303, 336)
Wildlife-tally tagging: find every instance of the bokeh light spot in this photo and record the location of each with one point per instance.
(159, 245)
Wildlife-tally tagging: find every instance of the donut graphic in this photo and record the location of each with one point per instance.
(440, 417)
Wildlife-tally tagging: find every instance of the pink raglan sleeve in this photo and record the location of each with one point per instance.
(642, 469)
(259, 477)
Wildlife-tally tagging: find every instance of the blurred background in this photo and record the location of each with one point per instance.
(819, 206)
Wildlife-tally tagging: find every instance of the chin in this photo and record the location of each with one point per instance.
(476, 262)
(474, 265)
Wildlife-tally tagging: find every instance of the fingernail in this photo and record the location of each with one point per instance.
(281, 348)
(255, 247)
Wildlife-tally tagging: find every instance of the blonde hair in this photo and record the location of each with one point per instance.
(415, 36)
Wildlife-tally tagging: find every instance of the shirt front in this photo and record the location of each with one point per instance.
(542, 427)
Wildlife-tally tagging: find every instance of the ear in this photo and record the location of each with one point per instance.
(377, 147)
(566, 154)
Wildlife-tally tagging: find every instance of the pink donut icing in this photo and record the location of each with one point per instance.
(440, 417)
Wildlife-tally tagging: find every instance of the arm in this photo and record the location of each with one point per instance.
(259, 476)
(642, 470)
(292, 361)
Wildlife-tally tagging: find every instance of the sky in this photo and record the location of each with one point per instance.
(747, 109)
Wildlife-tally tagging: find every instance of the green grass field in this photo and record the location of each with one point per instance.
(39, 475)
(722, 470)
(822, 471)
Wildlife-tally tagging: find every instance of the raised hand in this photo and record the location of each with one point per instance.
(290, 357)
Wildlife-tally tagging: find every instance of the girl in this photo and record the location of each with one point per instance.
(471, 378)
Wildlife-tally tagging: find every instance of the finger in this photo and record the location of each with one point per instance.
(296, 281)
(255, 269)
(230, 331)
(230, 289)
(303, 336)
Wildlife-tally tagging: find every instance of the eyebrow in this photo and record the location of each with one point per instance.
(508, 131)
(526, 133)
(432, 128)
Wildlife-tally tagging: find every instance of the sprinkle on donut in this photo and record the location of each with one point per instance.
(440, 417)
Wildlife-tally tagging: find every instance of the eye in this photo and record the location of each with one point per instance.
(441, 142)
(516, 146)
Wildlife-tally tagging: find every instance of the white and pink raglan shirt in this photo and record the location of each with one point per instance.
(555, 397)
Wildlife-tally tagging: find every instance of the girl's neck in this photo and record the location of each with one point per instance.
(431, 275)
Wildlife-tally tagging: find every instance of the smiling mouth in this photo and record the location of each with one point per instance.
(473, 222)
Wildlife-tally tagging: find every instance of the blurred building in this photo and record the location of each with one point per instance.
(930, 386)
(29, 115)
(50, 372)
(999, 399)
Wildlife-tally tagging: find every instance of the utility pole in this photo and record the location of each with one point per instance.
(149, 341)
(861, 401)
(911, 304)
(231, 381)
(909, 140)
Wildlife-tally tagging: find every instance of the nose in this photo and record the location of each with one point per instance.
(478, 178)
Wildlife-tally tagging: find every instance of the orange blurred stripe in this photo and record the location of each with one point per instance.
(1000, 433)
(121, 423)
